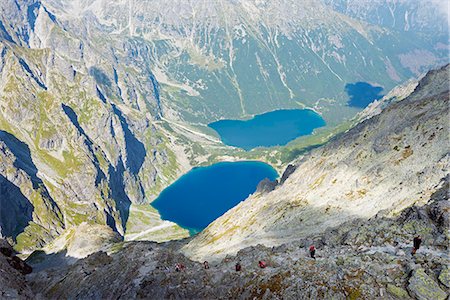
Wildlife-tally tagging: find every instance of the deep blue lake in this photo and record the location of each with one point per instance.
(205, 193)
(270, 129)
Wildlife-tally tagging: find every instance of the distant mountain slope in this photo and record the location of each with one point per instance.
(386, 163)
(229, 59)
(403, 15)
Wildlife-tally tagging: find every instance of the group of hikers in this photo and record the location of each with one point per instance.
(312, 252)
(238, 267)
(262, 264)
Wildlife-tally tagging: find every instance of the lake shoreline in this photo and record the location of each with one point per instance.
(276, 128)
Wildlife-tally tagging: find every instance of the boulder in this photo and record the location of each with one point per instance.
(444, 277)
(397, 292)
(423, 287)
(266, 185)
(289, 170)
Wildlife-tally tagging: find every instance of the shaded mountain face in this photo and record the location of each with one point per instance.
(390, 161)
(230, 59)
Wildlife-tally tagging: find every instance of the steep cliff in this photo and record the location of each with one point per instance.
(80, 131)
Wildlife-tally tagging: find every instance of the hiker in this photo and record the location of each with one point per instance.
(262, 264)
(416, 244)
(179, 267)
(238, 267)
(312, 251)
(206, 264)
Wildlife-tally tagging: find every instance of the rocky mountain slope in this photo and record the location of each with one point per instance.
(81, 138)
(12, 281)
(363, 235)
(386, 163)
(360, 259)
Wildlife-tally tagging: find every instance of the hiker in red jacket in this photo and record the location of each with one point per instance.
(312, 251)
(177, 267)
(180, 267)
(262, 264)
(238, 267)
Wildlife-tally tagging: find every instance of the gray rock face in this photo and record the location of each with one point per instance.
(266, 185)
(444, 277)
(422, 287)
(289, 170)
(12, 282)
(26, 206)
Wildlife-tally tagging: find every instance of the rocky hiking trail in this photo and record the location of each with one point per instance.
(362, 259)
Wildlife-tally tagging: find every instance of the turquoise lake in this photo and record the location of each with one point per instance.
(205, 193)
(270, 129)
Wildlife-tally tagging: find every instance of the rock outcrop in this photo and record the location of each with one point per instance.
(12, 270)
(422, 287)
